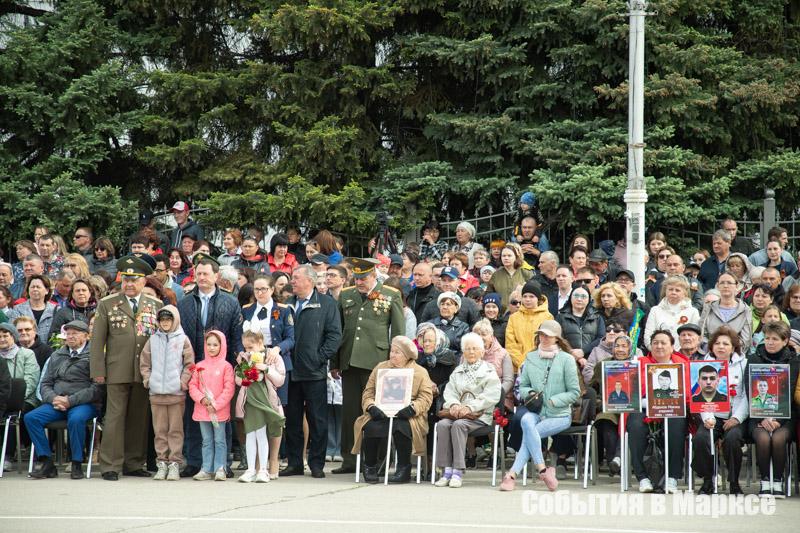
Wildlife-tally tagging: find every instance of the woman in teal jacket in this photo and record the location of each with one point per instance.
(551, 370)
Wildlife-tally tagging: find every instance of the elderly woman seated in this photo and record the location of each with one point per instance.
(68, 393)
(469, 398)
(410, 426)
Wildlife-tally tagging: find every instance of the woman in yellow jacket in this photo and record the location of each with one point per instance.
(523, 325)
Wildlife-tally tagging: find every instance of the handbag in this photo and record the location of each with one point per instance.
(16, 398)
(445, 413)
(535, 400)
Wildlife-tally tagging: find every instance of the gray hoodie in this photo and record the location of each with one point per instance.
(165, 359)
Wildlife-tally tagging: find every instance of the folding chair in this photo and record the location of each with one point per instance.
(16, 403)
(61, 427)
(586, 454)
(483, 431)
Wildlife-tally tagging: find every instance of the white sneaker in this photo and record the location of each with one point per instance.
(645, 485)
(442, 482)
(173, 472)
(262, 477)
(248, 477)
(203, 476)
(161, 474)
(455, 482)
(220, 475)
(672, 486)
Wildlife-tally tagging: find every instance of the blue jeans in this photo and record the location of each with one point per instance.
(215, 447)
(534, 429)
(334, 430)
(76, 418)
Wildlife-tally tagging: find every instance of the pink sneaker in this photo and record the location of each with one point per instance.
(549, 478)
(508, 482)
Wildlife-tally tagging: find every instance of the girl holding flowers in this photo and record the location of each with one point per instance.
(259, 407)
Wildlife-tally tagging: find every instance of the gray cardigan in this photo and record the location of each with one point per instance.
(742, 321)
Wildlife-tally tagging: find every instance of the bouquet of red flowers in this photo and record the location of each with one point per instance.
(499, 419)
(206, 392)
(248, 368)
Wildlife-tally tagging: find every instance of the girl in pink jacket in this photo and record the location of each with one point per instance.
(211, 387)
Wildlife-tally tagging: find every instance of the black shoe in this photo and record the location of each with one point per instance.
(317, 473)
(344, 469)
(110, 476)
(402, 474)
(371, 474)
(471, 461)
(707, 488)
(242, 464)
(735, 489)
(228, 472)
(189, 471)
(77, 470)
(291, 471)
(136, 473)
(614, 468)
(47, 470)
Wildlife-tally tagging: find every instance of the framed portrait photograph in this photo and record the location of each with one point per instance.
(621, 392)
(393, 389)
(709, 387)
(666, 390)
(770, 391)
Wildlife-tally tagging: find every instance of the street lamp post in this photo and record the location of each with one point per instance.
(636, 193)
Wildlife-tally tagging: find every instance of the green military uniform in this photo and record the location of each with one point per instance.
(118, 337)
(369, 322)
(663, 394)
(768, 402)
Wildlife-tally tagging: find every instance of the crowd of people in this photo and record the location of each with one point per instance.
(198, 359)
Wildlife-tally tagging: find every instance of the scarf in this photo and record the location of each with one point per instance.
(548, 353)
(10, 353)
(471, 370)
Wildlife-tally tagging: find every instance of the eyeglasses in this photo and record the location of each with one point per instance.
(76, 237)
(610, 329)
(71, 265)
(580, 296)
(584, 281)
(514, 302)
(100, 249)
(664, 256)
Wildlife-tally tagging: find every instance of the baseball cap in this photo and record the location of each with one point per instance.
(180, 206)
(450, 272)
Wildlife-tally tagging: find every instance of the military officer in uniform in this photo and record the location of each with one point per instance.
(372, 314)
(123, 323)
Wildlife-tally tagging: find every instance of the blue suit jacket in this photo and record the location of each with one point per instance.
(282, 332)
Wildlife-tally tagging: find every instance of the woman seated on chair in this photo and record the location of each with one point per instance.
(724, 346)
(607, 423)
(68, 393)
(662, 350)
(469, 399)
(771, 435)
(550, 374)
(410, 426)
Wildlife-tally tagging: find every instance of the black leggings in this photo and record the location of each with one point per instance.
(372, 445)
(608, 432)
(771, 448)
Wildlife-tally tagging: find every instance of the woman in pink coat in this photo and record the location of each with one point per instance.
(211, 388)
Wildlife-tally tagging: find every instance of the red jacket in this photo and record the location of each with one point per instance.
(288, 265)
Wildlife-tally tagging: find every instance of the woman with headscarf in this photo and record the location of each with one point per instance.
(410, 426)
(469, 398)
(449, 303)
(435, 354)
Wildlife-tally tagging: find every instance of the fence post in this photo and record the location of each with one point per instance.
(769, 215)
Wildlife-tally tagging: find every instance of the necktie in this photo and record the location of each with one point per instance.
(204, 310)
(262, 315)
(73, 353)
(134, 306)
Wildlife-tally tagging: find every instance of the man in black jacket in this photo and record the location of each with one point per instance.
(423, 292)
(186, 226)
(468, 312)
(317, 334)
